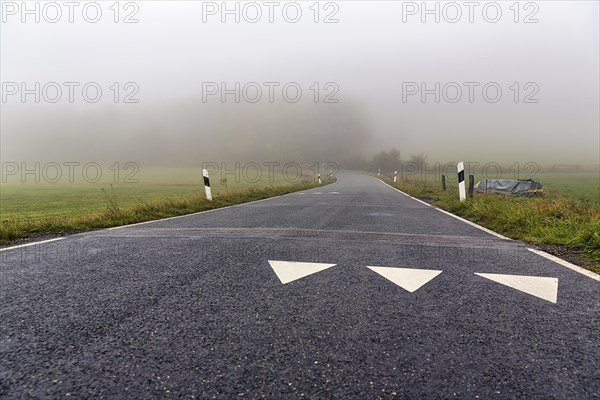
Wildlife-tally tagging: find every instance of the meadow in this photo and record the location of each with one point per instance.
(37, 200)
(29, 210)
(577, 185)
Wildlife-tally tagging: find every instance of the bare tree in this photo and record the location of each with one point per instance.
(418, 160)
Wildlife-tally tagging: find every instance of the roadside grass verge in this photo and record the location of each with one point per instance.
(560, 224)
(16, 230)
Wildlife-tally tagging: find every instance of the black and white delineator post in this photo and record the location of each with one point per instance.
(395, 176)
(207, 184)
(378, 171)
(319, 176)
(461, 181)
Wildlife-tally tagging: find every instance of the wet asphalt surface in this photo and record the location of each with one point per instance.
(189, 307)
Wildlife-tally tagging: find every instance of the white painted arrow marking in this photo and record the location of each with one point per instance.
(407, 278)
(288, 271)
(538, 286)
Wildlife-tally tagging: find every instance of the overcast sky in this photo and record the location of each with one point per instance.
(376, 57)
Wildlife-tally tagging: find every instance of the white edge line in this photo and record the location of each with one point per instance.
(491, 232)
(567, 264)
(466, 221)
(31, 244)
(406, 194)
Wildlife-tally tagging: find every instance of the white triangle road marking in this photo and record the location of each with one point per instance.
(407, 278)
(539, 286)
(288, 271)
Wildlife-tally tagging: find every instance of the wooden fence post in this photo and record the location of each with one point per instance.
(471, 185)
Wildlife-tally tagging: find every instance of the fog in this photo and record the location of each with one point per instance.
(361, 81)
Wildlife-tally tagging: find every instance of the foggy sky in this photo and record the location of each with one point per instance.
(368, 54)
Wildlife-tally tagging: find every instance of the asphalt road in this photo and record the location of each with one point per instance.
(195, 307)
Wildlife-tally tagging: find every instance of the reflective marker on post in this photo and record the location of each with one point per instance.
(395, 175)
(319, 176)
(207, 184)
(461, 181)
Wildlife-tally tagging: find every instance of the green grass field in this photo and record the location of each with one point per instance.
(28, 210)
(582, 185)
(39, 200)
